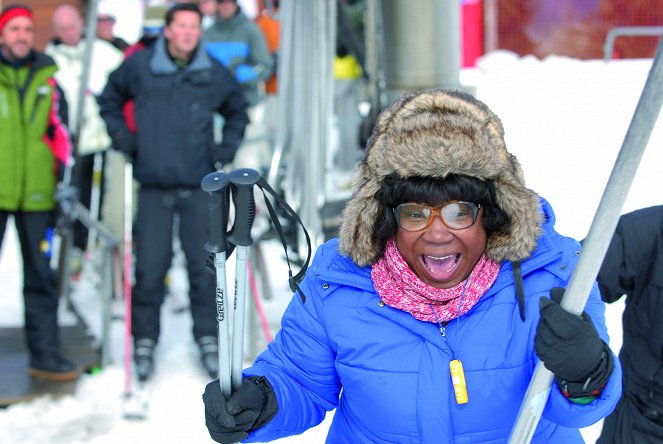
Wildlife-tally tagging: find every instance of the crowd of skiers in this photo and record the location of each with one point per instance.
(155, 105)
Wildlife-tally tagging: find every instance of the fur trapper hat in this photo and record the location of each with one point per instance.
(432, 134)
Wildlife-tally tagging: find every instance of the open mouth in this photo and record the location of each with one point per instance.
(441, 267)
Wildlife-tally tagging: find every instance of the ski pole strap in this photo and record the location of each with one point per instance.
(293, 281)
(216, 184)
(242, 180)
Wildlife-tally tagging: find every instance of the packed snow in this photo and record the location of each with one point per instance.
(564, 119)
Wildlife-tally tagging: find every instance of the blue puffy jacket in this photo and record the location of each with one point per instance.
(387, 374)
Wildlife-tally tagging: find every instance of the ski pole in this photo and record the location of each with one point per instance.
(216, 184)
(600, 233)
(128, 226)
(243, 180)
(95, 202)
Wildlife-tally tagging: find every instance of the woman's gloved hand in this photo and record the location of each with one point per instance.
(250, 407)
(568, 344)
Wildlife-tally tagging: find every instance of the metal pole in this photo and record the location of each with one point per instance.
(243, 181)
(90, 36)
(600, 233)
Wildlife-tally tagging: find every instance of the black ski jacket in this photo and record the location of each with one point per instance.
(174, 110)
(633, 266)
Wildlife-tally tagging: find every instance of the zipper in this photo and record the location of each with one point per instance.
(4, 107)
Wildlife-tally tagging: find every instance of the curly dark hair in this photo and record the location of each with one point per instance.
(395, 190)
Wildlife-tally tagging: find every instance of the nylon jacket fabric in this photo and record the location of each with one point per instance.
(174, 111)
(28, 122)
(240, 45)
(391, 371)
(633, 266)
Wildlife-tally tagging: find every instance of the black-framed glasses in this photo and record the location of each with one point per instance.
(456, 215)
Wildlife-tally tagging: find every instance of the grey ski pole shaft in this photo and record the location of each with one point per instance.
(600, 233)
(216, 184)
(243, 180)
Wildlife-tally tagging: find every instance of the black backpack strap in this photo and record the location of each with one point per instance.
(520, 291)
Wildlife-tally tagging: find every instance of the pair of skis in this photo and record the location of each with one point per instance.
(136, 399)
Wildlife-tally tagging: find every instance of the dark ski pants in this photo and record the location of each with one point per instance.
(39, 281)
(154, 252)
(83, 179)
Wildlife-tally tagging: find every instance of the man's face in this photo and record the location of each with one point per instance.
(105, 24)
(227, 8)
(68, 27)
(183, 34)
(17, 38)
(207, 7)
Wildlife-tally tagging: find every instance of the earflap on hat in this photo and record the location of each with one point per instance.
(433, 134)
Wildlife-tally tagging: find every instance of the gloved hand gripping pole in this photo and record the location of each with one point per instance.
(242, 181)
(217, 185)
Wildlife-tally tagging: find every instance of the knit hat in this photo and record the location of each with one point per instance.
(433, 134)
(13, 11)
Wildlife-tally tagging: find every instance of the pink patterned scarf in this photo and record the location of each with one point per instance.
(401, 288)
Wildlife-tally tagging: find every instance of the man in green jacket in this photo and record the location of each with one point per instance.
(34, 146)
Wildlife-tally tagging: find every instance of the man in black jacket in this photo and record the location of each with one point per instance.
(176, 88)
(633, 266)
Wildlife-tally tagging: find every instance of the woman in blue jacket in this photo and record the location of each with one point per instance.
(424, 321)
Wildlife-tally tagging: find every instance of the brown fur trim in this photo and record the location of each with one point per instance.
(433, 134)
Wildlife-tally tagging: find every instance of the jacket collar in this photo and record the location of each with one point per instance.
(161, 63)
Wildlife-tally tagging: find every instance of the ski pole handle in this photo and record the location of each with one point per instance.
(243, 180)
(216, 184)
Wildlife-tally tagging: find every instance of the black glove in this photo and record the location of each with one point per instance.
(66, 196)
(125, 141)
(568, 344)
(220, 155)
(250, 407)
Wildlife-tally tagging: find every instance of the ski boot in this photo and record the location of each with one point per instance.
(52, 367)
(144, 358)
(209, 355)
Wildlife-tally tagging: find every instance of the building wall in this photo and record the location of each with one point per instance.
(42, 10)
(573, 28)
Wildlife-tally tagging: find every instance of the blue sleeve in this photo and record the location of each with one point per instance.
(300, 365)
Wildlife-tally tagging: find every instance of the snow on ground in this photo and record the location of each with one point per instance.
(564, 119)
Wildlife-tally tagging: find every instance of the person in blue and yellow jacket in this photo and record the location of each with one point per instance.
(34, 149)
(424, 321)
(240, 45)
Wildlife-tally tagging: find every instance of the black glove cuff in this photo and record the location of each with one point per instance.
(270, 406)
(593, 385)
(222, 154)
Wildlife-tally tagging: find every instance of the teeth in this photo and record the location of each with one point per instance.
(440, 258)
(442, 265)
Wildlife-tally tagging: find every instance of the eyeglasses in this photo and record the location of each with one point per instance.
(455, 215)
